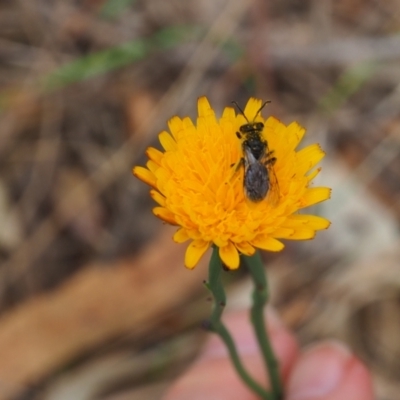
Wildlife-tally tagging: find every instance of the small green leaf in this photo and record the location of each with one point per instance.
(97, 63)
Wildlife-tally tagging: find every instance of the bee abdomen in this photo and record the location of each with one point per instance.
(256, 182)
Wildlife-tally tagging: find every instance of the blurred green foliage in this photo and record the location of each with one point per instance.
(112, 8)
(124, 54)
(348, 83)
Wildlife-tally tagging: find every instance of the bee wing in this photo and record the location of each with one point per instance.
(273, 194)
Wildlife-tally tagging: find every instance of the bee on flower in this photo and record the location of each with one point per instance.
(259, 177)
(255, 206)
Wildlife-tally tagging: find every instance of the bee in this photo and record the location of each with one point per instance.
(259, 181)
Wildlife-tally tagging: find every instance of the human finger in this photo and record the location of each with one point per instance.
(213, 376)
(329, 371)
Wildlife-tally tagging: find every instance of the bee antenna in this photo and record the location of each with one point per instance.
(241, 111)
(264, 104)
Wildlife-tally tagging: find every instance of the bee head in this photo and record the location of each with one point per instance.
(251, 127)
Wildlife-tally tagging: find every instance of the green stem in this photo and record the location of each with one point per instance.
(260, 299)
(216, 325)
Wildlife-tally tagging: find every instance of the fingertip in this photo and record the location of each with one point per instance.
(329, 371)
(357, 384)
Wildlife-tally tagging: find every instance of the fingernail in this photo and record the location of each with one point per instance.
(319, 372)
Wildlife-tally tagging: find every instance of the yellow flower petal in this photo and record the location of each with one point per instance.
(181, 236)
(188, 125)
(273, 129)
(165, 214)
(229, 256)
(313, 174)
(175, 125)
(228, 114)
(295, 134)
(157, 197)
(167, 141)
(267, 243)
(194, 252)
(302, 234)
(204, 108)
(309, 157)
(145, 175)
(154, 155)
(245, 248)
(315, 195)
(252, 108)
(309, 221)
(152, 166)
(283, 233)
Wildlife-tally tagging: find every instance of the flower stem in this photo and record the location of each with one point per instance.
(260, 299)
(216, 325)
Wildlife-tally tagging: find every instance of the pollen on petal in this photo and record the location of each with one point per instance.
(145, 175)
(194, 252)
(165, 214)
(229, 256)
(267, 243)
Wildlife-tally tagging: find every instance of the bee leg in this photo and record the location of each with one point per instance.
(270, 161)
(236, 167)
(238, 135)
(239, 164)
(269, 154)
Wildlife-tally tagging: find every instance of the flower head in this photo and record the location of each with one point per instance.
(197, 182)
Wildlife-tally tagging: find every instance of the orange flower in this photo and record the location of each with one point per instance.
(198, 184)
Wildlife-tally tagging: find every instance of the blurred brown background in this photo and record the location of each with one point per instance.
(95, 302)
